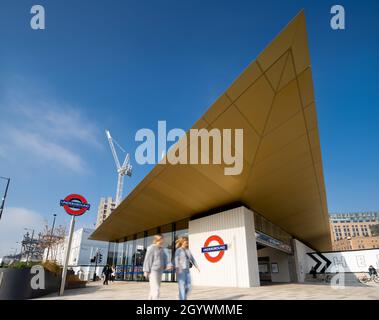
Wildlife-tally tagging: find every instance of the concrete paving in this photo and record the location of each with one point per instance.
(139, 291)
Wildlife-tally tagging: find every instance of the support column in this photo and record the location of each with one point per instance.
(224, 246)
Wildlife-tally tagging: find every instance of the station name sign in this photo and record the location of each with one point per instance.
(272, 242)
(214, 248)
(221, 247)
(75, 204)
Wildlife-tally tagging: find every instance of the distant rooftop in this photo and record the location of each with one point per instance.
(366, 216)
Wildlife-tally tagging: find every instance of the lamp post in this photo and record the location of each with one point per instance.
(5, 195)
(51, 235)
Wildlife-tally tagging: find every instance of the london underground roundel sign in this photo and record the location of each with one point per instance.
(218, 246)
(75, 204)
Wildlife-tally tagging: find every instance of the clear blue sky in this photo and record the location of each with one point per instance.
(124, 65)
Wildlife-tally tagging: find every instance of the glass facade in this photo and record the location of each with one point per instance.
(127, 255)
(265, 226)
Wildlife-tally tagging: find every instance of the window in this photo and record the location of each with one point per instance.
(169, 245)
(139, 256)
(128, 260)
(150, 236)
(119, 261)
(111, 253)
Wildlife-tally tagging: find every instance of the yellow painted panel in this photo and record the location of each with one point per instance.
(279, 45)
(233, 184)
(306, 87)
(274, 73)
(288, 73)
(233, 119)
(310, 117)
(281, 137)
(256, 102)
(286, 104)
(217, 108)
(244, 81)
(281, 169)
(300, 47)
(314, 140)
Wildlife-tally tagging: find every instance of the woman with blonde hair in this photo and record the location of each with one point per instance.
(154, 264)
(184, 260)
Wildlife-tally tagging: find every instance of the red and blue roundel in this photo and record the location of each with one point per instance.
(218, 246)
(75, 204)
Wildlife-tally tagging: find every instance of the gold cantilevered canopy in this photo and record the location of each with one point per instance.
(282, 178)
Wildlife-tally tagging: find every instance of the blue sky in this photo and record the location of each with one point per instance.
(124, 65)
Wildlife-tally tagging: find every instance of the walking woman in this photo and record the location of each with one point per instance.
(154, 265)
(183, 262)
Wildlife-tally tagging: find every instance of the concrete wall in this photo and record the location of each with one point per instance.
(356, 261)
(301, 259)
(239, 265)
(351, 264)
(281, 259)
(82, 249)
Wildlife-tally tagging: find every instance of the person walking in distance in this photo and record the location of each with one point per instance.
(106, 272)
(154, 264)
(113, 273)
(183, 262)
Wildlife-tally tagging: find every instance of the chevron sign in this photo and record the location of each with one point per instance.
(322, 262)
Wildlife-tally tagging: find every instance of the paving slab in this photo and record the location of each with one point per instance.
(169, 291)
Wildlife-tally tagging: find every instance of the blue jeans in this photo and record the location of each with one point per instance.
(184, 282)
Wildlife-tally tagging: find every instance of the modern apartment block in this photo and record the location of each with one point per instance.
(354, 231)
(106, 206)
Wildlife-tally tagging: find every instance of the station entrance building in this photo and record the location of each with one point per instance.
(255, 227)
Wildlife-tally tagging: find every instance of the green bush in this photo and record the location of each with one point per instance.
(21, 265)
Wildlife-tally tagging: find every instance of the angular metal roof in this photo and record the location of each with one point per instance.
(282, 178)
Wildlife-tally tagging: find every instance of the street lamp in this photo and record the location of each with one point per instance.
(5, 195)
(51, 235)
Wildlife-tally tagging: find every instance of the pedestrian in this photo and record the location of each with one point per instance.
(113, 273)
(106, 272)
(81, 274)
(372, 271)
(154, 264)
(184, 260)
(313, 272)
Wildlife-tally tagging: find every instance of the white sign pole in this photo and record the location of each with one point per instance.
(67, 255)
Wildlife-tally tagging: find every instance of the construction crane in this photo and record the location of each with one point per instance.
(122, 170)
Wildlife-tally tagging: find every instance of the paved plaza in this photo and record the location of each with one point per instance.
(139, 291)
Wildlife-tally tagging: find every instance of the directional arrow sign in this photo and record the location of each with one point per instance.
(322, 262)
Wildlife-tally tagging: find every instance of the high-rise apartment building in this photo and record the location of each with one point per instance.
(352, 231)
(106, 206)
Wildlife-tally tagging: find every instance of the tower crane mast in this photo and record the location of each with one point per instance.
(122, 170)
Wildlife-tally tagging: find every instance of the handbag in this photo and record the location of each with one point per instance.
(190, 264)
